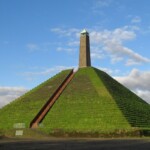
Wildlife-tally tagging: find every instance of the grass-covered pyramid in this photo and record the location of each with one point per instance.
(93, 102)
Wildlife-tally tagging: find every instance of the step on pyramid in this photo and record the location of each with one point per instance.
(88, 101)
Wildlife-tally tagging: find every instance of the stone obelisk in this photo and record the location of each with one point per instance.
(84, 58)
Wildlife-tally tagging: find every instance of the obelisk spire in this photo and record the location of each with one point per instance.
(84, 56)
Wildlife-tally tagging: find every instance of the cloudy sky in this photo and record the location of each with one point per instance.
(39, 38)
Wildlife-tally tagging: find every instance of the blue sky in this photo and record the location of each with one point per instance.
(39, 38)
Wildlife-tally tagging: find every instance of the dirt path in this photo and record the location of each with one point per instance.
(77, 144)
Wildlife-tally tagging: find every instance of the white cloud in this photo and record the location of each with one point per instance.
(103, 3)
(65, 49)
(48, 71)
(73, 43)
(118, 50)
(32, 47)
(65, 32)
(8, 94)
(99, 4)
(118, 35)
(131, 62)
(136, 19)
(137, 81)
(112, 42)
(73, 39)
(115, 59)
(144, 95)
(95, 55)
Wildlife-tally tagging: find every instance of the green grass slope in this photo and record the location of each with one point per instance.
(24, 109)
(136, 111)
(88, 106)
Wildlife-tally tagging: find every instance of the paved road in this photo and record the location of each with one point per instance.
(77, 144)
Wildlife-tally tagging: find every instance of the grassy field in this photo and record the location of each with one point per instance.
(92, 103)
(24, 109)
(88, 105)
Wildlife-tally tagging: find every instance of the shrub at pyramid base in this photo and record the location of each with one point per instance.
(92, 102)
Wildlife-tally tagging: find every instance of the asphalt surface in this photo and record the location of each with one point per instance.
(77, 144)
